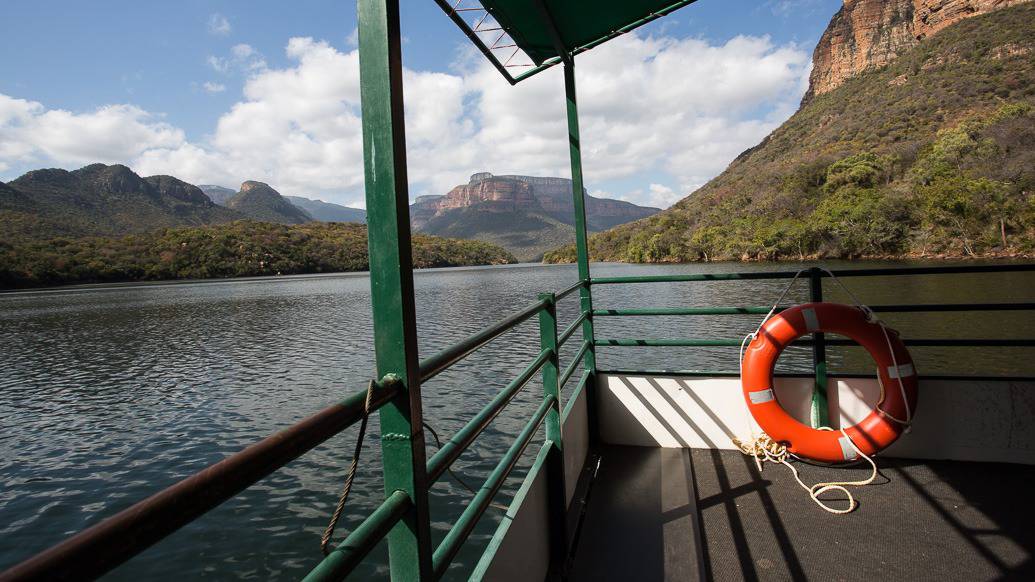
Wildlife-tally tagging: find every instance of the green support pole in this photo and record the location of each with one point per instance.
(581, 242)
(819, 415)
(391, 282)
(556, 491)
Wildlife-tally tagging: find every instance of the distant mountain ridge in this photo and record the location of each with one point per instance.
(317, 210)
(328, 211)
(258, 201)
(527, 215)
(101, 200)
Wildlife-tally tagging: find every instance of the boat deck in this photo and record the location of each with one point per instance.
(682, 514)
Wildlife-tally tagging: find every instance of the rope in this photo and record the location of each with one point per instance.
(764, 448)
(872, 318)
(438, 443)
(325, 540)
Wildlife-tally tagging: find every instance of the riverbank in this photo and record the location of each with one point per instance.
(238, 249)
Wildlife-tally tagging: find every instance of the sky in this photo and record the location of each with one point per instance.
(223, 91)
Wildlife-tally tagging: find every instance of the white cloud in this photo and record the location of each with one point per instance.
(31, 134)
(243, 59)
(211, 87)
(219, 25)
(669, 113)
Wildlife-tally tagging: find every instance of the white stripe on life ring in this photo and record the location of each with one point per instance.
(761, 396)
(847, 449)
(811, 319)
(903, 371)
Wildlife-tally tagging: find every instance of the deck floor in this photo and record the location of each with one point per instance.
(674, 514)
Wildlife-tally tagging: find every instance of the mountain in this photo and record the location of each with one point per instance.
(217, 194)
(239, 249)
(327, 211)
(101, 200)
(931, 153)
(867, 34)
(258, 201)
(527, 215)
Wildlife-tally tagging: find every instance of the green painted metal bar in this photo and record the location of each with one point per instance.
(574, 365)
(434, 365)
(623, 30)
(450, 545)
(973, 269)
(570, 290)
(705, 343)
(572, 328)
(350, 552)
(906, 308)
(736, 374)
(100, 548)
(487, 557)
(391, 281)
(575, 394)
(672, 343)
(818, 408)
(557, 508)
(578, 190)
(455, 446)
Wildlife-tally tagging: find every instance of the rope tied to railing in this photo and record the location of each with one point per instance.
(459, 481)
(325, 540)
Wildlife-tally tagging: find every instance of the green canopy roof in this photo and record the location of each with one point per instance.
(547, 31)
(578, 23)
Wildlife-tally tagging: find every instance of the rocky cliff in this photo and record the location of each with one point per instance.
(931, 155)
(512, 193)
(867, 34)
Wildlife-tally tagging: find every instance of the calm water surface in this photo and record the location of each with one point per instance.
(109, 394)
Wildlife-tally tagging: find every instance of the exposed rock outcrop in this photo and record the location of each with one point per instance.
(510, 193)
(871, 33)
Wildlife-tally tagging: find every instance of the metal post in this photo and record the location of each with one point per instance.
(819, 415)
(391, 282)
(556, 490)
(581, 242)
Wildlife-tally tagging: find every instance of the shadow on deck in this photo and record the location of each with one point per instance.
(678, 514)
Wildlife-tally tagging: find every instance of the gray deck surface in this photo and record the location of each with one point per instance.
(921, 520)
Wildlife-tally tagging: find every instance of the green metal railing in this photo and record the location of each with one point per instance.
(347, 555)
(818, 343)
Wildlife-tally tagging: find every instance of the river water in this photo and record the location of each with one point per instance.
(108, 394)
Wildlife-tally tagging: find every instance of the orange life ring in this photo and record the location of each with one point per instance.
(875, 432)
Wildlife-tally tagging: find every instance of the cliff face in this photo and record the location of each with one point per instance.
(551, 196)
(866, 34)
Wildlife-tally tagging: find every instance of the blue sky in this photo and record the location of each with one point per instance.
(205, 89)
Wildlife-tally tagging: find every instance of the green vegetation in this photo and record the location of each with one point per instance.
(526, 234)
(933, 155)
(238, 249)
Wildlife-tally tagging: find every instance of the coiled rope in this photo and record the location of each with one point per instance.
(763, 448)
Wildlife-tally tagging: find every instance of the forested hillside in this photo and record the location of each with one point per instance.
(931, 155)
(238, 249)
